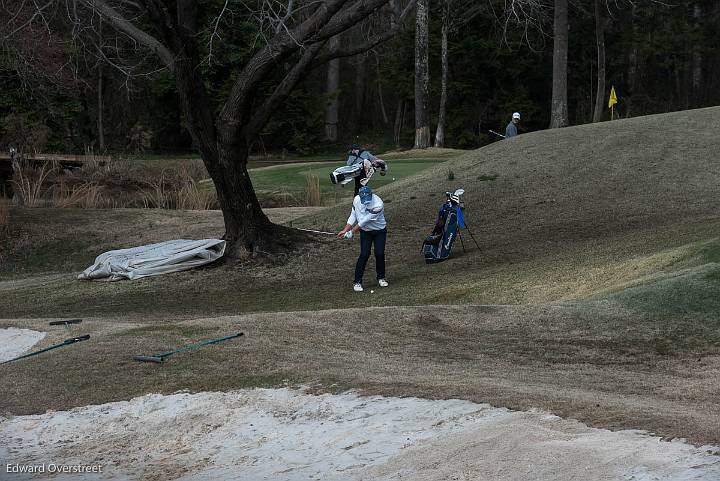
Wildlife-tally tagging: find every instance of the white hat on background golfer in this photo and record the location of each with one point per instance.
(516, 115)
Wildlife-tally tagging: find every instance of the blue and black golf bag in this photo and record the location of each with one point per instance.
(437, 246)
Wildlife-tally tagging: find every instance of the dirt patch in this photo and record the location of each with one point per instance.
(289, 435)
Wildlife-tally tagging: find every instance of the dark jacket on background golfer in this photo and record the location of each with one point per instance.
(368, 216)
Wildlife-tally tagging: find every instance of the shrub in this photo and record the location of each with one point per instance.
(177, 190)
(191, 197)
(29, 183)
(88, 195)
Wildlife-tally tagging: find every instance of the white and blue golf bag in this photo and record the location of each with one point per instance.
(438, 245)
(347, 173)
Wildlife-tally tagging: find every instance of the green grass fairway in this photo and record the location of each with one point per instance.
(292, 178)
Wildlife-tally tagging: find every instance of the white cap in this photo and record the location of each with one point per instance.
(516, 115)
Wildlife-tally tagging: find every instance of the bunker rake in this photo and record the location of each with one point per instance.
(66, 342)
(65, 322)
(159, 358)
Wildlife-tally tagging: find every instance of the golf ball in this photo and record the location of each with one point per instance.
(393, 178)
(372, 292)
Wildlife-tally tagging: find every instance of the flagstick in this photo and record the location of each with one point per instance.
(612, 113)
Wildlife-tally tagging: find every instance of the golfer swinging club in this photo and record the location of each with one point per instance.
(368, 218)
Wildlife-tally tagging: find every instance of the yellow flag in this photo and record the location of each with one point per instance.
(613, 97)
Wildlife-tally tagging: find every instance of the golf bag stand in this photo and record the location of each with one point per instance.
(462, 242)
(471, 236)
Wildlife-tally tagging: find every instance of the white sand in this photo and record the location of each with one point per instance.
(284, 434)
(15, 342)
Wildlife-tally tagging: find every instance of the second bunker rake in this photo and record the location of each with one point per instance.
(164, 355)
(66, 342)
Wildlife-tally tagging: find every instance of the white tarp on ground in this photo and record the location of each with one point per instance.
(154, 259)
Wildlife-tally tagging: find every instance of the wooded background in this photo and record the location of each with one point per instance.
(70, 88)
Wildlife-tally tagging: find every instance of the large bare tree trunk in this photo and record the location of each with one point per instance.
(440, 132)
(422, 77)
(399, 121)
(100, 103)
(697, 61)
(247, 228)
(100, 107)
(360, 76)
(381, 101)
(332, 89)
(633, 66)
(600, 37)
(559, 108)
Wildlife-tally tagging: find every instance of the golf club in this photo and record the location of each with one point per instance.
(315, 231)
(499, 135)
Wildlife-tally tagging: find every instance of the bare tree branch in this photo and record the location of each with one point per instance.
(38, 13)
(262, 114)
(214, 34)
(280, 47)
(372, 42)
(127, 27)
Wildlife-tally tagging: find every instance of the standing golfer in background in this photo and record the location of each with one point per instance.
(368, 218)
(511, 129)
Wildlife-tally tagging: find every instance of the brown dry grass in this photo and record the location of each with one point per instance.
(30, 183)
(4, 215)
(313, 195)
(177, 190)
(100, 184)
(88, 195)
(587, 364)
(4, 225)
(191, 197)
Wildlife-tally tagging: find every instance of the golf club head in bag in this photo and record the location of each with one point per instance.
(454, 197)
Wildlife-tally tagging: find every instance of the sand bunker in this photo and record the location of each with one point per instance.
(15, 342)
(284, 434)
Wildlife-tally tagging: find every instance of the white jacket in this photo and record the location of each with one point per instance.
(368, 216)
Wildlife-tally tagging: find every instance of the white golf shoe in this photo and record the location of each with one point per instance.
(382, 283)
(357, 287)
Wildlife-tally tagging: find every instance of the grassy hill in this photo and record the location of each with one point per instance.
(559, 215)
(593, 294)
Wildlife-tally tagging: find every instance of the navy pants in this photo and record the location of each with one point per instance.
(368, 238)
